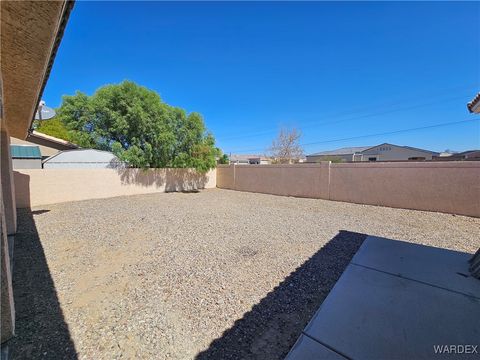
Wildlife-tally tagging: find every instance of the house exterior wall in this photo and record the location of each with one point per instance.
(8, 226)
(26, 164)
(30, 34)
(452, 187)
(387, 152)
(8, 187)
(49, 186)
(7, 308)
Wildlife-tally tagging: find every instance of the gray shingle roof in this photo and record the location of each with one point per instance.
(245, 157)
(342, 151)
(359, 149)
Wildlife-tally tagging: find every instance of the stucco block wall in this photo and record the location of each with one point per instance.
(309, 181)
(225, 177)
(452, 187)
(49, 186)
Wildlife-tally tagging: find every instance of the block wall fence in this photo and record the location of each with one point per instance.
(448, 187)
(35, 187)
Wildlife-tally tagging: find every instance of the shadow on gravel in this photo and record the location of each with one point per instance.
(41, 331)
(273, 325)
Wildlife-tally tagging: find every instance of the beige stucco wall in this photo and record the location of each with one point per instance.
(225, 177)
(310, 180)
(49, 186)
(446, 187)
(7, 182)
(452, 187)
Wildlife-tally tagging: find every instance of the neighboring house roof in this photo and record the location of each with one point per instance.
(342, 151)
(246, 157)
(418, 149)
(36, 136)
(25, 152)
(469, 153)
(82, 155)
(464, 155)
(84, 158)
(361, 149)
(474, 105)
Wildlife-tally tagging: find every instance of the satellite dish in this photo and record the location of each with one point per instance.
(44, 112)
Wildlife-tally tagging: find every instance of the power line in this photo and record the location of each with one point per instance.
(315, 123)
(377, 134)
(392, 132)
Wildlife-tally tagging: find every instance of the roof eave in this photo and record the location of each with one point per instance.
(29, 45)
(474, 105)
(67, 9)
(36, 134)
(475, 108)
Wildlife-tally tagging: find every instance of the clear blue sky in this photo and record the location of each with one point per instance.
(333, 70)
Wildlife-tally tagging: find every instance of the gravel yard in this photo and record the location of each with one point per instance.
(216, 274)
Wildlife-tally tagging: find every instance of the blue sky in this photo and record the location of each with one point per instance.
(334, 70)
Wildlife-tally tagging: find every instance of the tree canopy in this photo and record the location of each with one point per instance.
(224, 159)
(53, 127)
(136, 125)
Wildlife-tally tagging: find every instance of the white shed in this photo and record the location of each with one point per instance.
(81, 159)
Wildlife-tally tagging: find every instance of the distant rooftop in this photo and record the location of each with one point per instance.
(245, 157)
(25, 152)
(343, 151)
(360, 149)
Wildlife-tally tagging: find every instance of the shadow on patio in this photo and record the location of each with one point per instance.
(271, 328)
(41, 331)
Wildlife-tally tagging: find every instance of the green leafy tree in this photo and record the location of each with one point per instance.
(53, 127)
(135, 124)
(224, 159)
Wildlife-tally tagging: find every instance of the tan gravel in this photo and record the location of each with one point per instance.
(211, 275)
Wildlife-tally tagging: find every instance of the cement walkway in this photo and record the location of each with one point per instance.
(397, 300)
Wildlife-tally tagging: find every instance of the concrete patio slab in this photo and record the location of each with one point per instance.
(375, 313)
(307, 348)
(440, 267)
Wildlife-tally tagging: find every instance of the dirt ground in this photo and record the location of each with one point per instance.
(211, 275)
